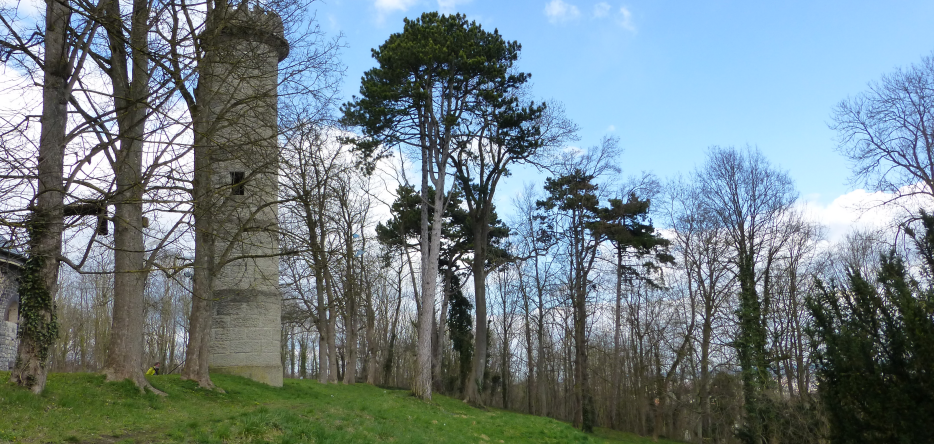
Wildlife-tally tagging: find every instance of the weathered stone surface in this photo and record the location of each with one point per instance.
(240, 73)
(8, 344)
(10, 264)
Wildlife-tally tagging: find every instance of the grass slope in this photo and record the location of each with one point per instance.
(80, 407)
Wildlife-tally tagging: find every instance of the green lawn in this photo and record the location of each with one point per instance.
(82, 408)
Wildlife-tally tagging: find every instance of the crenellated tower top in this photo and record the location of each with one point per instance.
(245, 23)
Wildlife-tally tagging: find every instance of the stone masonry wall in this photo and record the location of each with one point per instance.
(9, 302)
(7, 345)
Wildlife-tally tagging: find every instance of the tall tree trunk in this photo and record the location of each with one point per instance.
(332, 341)
(585, 397)
(130, 100)
(504, 370)
(372, 363)
(579, 281)
(303, 356)
(202, 298)
(46, 224)
(321, 294)
(387, 366)
(197, 351)
(350, 301)
(540, 336)
(290, 340)
(474, 380)
(617, 333)
(438, 345)
(530, 380)
(430, 249)
(704, 392)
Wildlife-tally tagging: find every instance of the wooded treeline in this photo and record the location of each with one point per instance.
(681, 308)
(660, 341)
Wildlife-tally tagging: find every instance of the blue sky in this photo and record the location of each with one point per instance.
(671, 78)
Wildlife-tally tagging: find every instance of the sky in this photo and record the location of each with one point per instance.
(672, 78)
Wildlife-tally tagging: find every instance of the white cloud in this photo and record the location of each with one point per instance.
(449, 6)
(386, 6)
(558, 11)
(863, 210)
(625, 19)
(601, 9)
(28, 8)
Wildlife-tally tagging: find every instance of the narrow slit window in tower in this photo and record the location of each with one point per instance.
(237, 183)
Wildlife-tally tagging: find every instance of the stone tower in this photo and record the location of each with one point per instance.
(238, 87)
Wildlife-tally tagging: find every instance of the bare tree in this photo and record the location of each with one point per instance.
(749, 199)
(887, 132)
(703, 253)
(46, 222)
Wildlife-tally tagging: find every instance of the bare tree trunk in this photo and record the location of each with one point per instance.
(504, 370)
(478, 266)
(530, 380)
(540, 333)
(332, 342)
(372, 364)
(587, 412)
(704, 392)
(45, 237)
(324, 330)
(617, 332)
(387, 366)
(290, 340)
(438, 345)
(430, 249)
(350, 338)
(202, 298)
(350, 363)
(197, 352)
(130, 99)
(303, 354)
(350, 297)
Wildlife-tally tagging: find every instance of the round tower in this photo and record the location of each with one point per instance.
(238, 84)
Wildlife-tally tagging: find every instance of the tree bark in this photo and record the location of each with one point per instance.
(478, 267)
(438, 345)
(372, 363)
(45, 237)
(530, 378)
(332, 340)
(387, 366)
(540, 335)
(617, 333)
(316, 233)
(430, 249)
(124, 360)
(197, 352)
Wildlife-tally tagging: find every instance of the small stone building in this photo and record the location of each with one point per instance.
(10, 264)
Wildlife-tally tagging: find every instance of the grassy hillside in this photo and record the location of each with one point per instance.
(82, 408)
